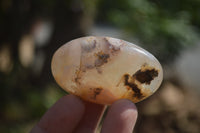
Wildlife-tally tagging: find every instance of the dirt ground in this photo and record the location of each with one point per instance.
(172, 109)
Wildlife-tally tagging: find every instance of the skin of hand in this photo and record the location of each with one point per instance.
(73, 115)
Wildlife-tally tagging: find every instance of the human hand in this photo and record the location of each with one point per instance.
(72, 115)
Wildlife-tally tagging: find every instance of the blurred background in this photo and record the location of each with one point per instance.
(31, 31)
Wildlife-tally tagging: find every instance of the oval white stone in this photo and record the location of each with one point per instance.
(105, 69)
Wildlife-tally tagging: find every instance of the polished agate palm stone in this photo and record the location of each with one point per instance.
(104, 69)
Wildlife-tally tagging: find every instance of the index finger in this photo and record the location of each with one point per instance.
(62, 117)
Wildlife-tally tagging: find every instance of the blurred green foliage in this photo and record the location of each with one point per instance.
(163, 27)
(23, 103)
